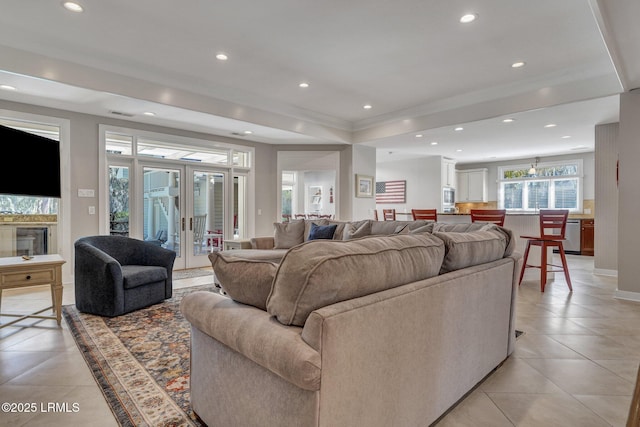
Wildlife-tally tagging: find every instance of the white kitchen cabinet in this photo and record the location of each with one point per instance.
(448, 171)
(472, 185)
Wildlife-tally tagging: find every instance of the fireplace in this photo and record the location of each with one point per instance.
(32, 240)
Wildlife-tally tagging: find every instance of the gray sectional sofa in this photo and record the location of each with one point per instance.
(389, 329)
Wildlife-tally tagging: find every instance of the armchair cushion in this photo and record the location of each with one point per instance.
(136, 275)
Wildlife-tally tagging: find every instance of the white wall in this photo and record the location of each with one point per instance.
(363, 163)
(423, 176)
(606, 190)
(629, 196)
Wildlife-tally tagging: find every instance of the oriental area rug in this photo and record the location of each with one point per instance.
(140, 361)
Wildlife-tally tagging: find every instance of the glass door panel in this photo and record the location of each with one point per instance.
(119, 200)
(161, 207)
(206, 224)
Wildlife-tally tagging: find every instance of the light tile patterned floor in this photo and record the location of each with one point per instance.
(575, 365)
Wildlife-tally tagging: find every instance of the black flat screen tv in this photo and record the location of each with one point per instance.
(31, 164)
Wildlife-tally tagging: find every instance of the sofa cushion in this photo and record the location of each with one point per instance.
(307, 225)
(354, 230)
(319, 273)
(340, 226)
(137, 275)
(322, 231)
(244, 280)
(288, 234)
(393, 227)
(272, 255)
(458, 228)
(472, 248)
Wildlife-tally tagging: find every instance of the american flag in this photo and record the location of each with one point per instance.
(390, 191)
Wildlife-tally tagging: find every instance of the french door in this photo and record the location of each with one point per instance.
(183, 209)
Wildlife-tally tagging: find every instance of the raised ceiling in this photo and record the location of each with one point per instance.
(422, 71)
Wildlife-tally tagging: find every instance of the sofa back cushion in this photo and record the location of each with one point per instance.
(477, 226)
(471, 248)
(288, 234)
(244, 280)
(357, 229)
(321, 272)
(394, 227)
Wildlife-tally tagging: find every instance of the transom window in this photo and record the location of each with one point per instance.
(555, 185)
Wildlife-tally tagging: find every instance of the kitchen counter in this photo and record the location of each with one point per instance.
(574, 215)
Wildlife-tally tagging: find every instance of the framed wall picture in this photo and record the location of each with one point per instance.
(364, 186)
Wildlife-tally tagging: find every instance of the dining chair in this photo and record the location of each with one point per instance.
(495, 216)
(375, 214)
(299, 216)
(286, 217)
(553, 224)
(389, 214)
(425, 214)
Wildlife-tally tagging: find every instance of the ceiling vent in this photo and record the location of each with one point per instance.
(120, 113)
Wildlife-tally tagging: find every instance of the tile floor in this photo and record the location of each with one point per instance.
(575, 365)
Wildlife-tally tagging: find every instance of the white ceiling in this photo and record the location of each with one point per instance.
(421, 70)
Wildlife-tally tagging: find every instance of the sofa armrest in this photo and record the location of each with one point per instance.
(263, 242)
(255, 334)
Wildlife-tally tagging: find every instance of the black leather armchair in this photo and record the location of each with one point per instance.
(115, 275)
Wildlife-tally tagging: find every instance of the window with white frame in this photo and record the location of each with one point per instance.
(556, 185)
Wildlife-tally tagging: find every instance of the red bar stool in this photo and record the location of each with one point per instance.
(389, 214)
(425, 214)
(553, 224)
(495, 216)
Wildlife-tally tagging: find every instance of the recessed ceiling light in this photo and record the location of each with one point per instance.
(7, 87)
(458, 150)
(459, 128)
(367, 106)
(149, 113)
(509, 120)
(470, 17)
(222, 56)
(248, 132)
(566, 137)
(73, 6)
(434, 143)
(303, 85)
(419, 135)
(550, 125)
(518, 64)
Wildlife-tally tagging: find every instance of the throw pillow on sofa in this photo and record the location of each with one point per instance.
(320, 273)
(288, 234)
(244, 280)
(322, 231)
(354, 230)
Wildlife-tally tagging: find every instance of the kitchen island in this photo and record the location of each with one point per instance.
(524, 224)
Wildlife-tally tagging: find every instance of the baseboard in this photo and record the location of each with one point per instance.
(626, 295)
(605, 272)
